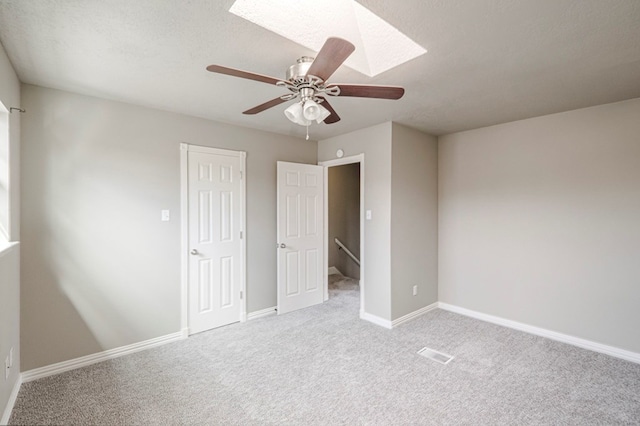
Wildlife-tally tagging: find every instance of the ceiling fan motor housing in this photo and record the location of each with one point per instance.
(299, 69)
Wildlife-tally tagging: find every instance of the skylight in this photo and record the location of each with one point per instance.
(379, 45)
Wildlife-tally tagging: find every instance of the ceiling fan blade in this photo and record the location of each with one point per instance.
(266, 105)
(334, 52)
(334, 117)
(242, 74)
(368, 91)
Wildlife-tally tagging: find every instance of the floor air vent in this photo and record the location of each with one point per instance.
(435, 355)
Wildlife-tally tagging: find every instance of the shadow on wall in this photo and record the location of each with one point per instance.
(91, 271)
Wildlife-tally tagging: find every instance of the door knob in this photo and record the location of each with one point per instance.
(283, 245)
(194, 252)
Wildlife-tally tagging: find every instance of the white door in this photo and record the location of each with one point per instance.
(300, 236)
(216, 263)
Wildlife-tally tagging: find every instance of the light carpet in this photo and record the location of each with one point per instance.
(325, 366)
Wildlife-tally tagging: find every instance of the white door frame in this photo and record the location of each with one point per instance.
(184, 228)
(340, 162)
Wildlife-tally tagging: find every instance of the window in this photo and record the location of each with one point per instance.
(4, 173)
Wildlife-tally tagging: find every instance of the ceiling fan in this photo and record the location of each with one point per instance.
(307, 82)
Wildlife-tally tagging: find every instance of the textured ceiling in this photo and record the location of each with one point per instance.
(488, 61)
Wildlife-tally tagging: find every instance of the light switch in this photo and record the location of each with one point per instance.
(368, 214)
(166, 215)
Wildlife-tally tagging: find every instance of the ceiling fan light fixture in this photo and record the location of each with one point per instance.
(311, 110)
(295, 114)
(324, 113)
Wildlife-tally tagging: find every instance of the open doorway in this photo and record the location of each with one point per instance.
(344, 226)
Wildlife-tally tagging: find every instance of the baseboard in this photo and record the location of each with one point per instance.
(333, 270)
(553, 335)
(376, 320)
(262, 313)
(11, 402)
(72, 364)
(396, 322)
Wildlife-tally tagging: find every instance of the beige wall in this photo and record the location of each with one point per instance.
(539, 222)
(375, 143)
(102, 270)
(9, 319)
(414, 220)
(10, 257)
(400, 172)
(344, 217)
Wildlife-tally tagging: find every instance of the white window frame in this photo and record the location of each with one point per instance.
(5, 228)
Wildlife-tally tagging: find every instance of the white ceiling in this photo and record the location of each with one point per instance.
(488, 61)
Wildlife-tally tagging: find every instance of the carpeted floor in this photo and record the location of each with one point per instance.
(324, 366)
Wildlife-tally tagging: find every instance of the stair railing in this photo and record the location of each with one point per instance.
(347, 251)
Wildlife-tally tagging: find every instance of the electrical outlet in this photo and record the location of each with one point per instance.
(11, 358)
(415, 290)
(6, 368)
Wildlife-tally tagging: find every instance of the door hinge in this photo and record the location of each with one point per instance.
(241, 295)
(240, 234)
(241, 175)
